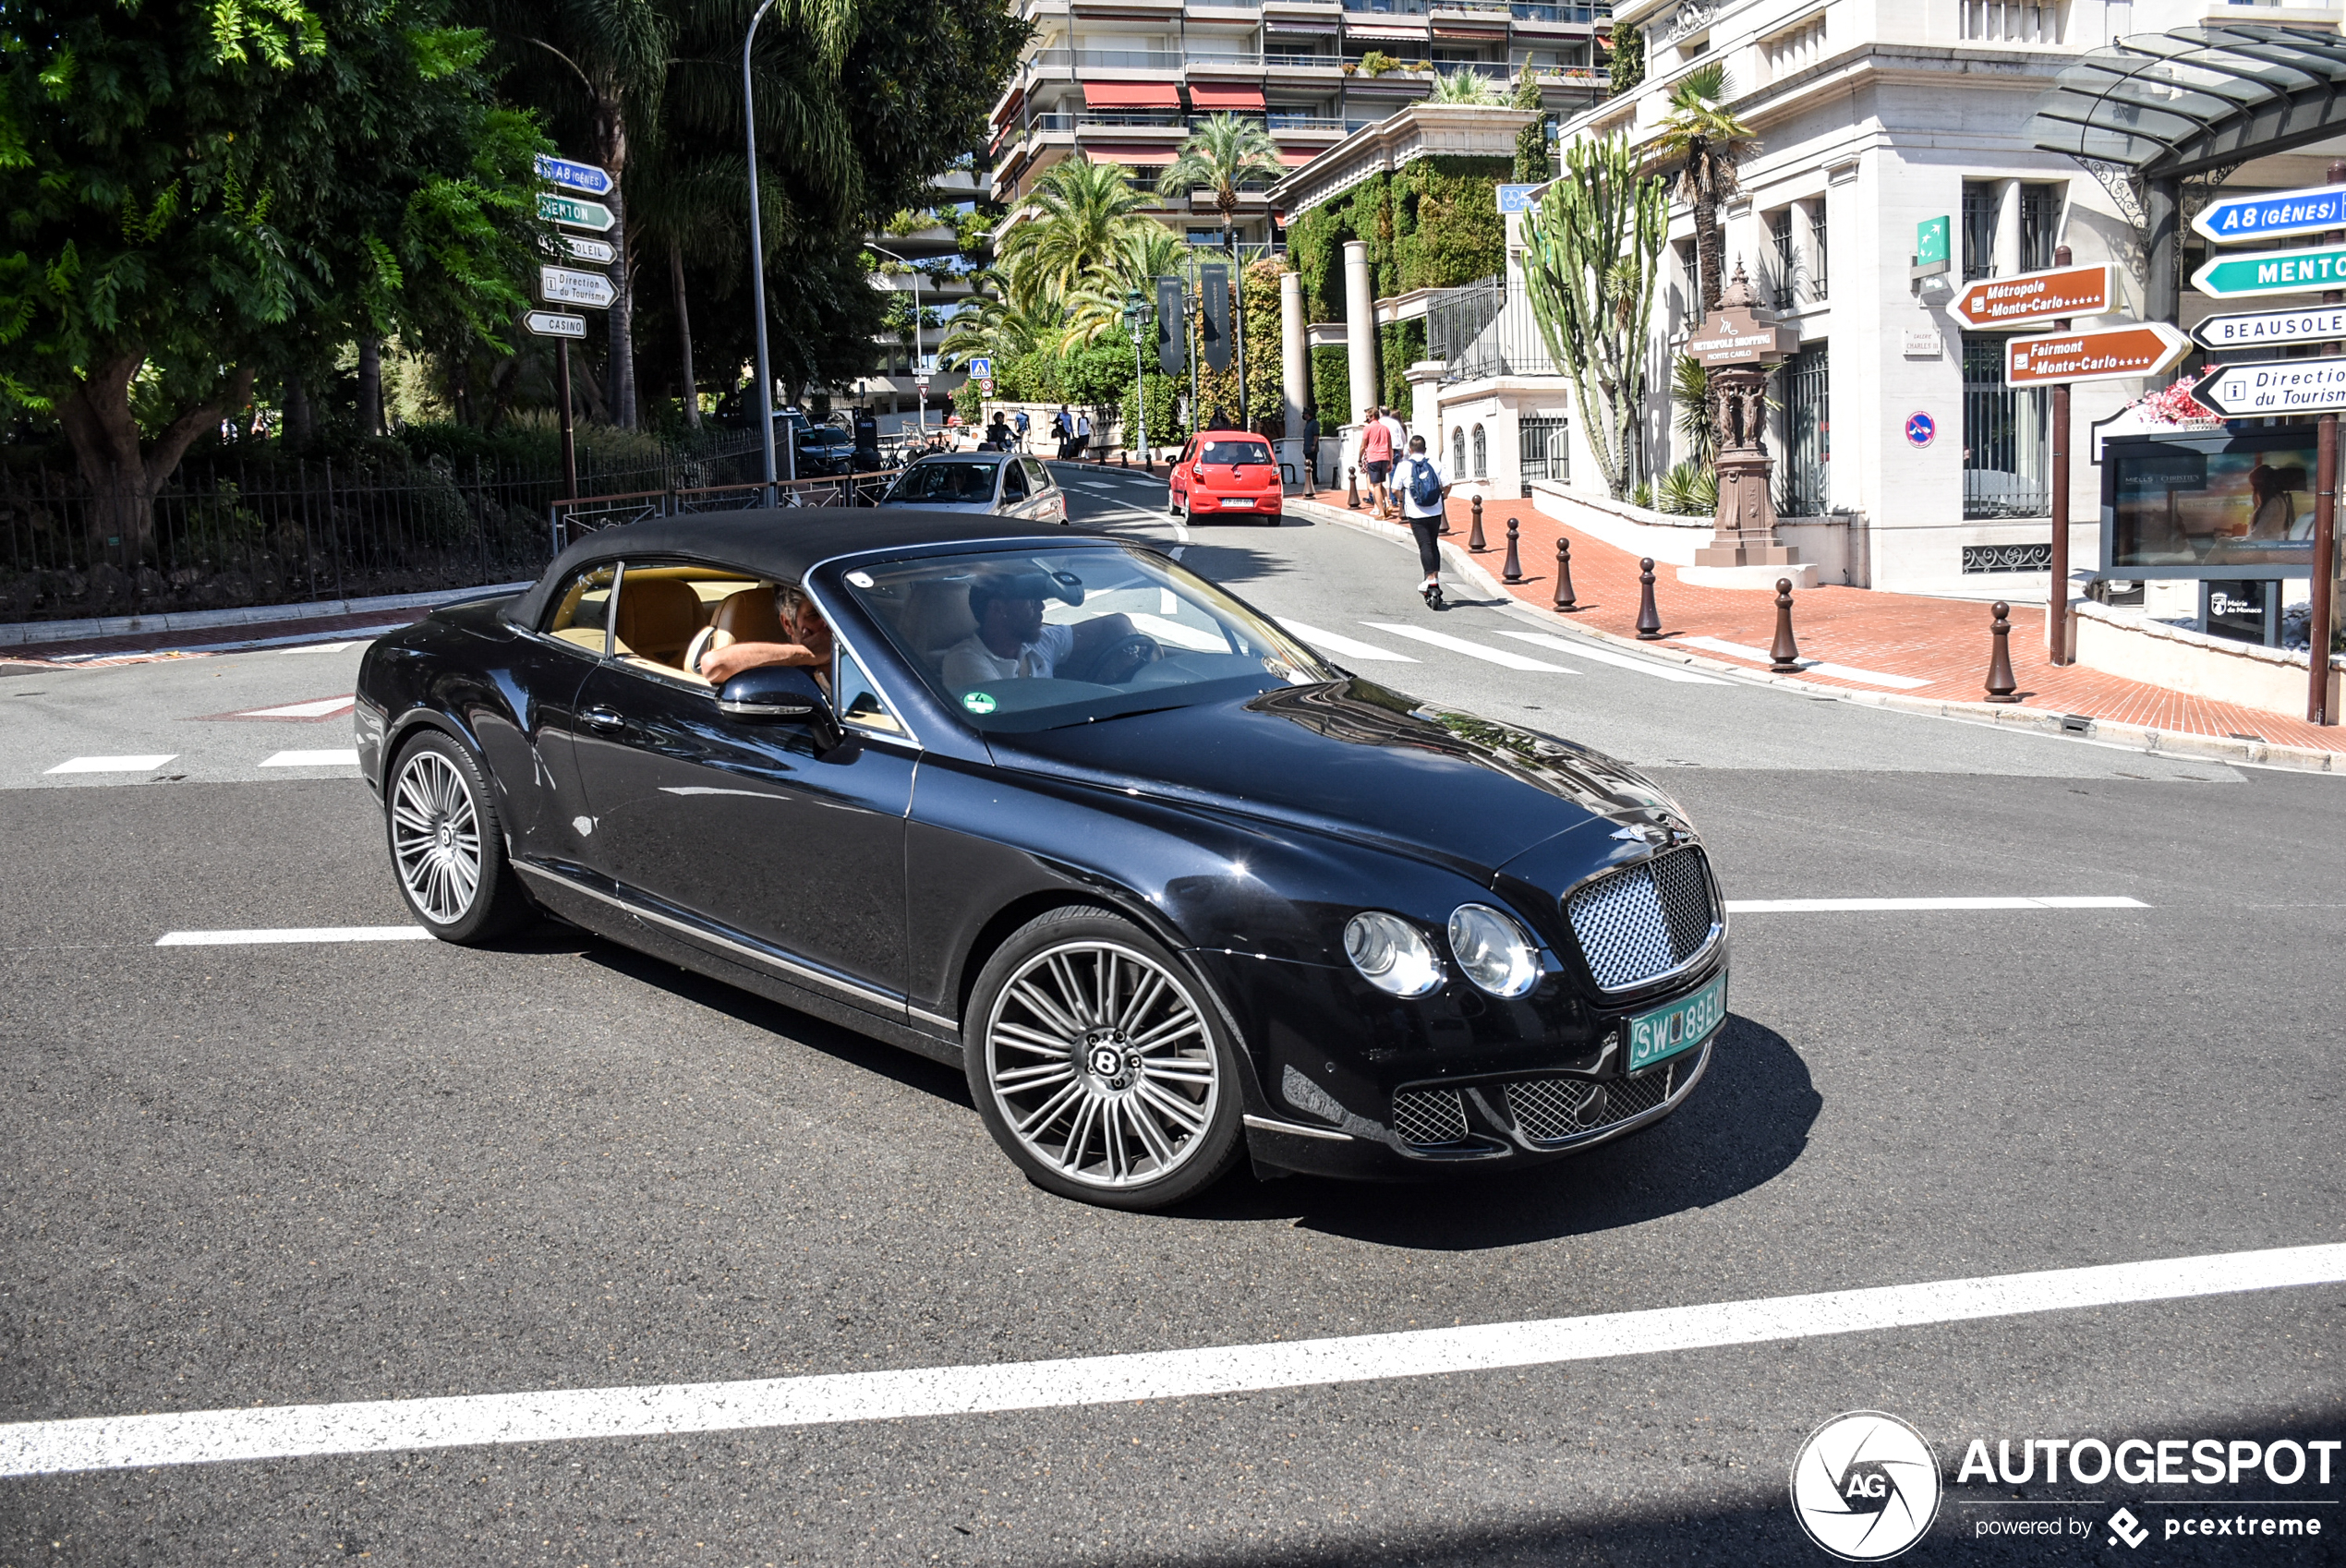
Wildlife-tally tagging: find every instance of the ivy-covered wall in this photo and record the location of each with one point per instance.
(1432, 224)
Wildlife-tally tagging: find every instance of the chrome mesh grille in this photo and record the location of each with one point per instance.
(1644, 919)
(1428, 1117)
(1550, 1109)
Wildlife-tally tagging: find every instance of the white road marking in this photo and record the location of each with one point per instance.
(324, 707)
(346, 757)
(321, 647)
(117, 1443)
(1821, 906)
(1472, 650)
(1330, 642)
(113, 765)
(276, 936)
(1839, 671)
(1624, 661)
(1180, 636)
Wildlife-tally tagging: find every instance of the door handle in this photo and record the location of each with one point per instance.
(609, 721)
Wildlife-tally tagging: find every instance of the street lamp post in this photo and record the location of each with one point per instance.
(757, 268)
(1138, 314)
(920, 393)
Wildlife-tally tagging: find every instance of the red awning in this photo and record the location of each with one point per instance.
(1209, 95)
(1135, 152)
(1294, 160)
(1130, 95)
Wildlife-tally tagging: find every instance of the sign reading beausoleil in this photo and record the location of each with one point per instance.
(2108, 353)
(2272, 271)
(601, 252)
(2037, 297)
(2279, 386)
(567, 285)
(576, 175)
(2270, 329)
(2237, 218)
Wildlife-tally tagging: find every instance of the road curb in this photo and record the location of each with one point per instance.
(21, 633)
(2133, 737)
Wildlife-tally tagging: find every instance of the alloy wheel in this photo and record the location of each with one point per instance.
(435, 836)
(1101, 1064)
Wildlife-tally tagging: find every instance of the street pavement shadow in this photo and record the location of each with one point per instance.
(1227, 563)
(1744, 1124)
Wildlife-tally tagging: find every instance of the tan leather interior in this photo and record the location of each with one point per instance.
(750, 617)
(937, 616)
(658, 616)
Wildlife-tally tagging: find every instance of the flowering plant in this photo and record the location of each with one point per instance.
(2173, 404)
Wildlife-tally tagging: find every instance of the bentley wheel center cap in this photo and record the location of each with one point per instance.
(1105, 1053)
(447, 837)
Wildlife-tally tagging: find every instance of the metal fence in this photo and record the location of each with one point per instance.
(568, 520)
(237, 531)
(1804, 384)
(1543, 448)
(1485, 330)
(2007, 439)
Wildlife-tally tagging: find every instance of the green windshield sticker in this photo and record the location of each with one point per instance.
(978, 702)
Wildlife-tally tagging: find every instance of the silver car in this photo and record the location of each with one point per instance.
(999, 482)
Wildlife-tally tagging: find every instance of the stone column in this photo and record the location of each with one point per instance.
(1359, 326)
(1295, 375)
(2007, 250)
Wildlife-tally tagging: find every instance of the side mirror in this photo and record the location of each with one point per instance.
(780, 694)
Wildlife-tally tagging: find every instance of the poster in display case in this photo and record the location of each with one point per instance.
(2210, 503)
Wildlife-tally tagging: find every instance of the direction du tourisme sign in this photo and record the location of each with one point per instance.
(2280, 386)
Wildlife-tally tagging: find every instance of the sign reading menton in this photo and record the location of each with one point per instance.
(2272, 271)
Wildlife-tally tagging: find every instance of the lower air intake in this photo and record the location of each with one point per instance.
(1551, 1110)
(1429, 1117)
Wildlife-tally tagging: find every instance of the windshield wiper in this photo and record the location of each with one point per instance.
(1124, 713)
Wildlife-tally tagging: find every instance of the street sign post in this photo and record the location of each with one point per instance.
(2277, 387)
(2107, 354)
(982, 368)
(555, 324)
(567, 286)
(598, 252)
(1515, 198)
(2272, 271)
(573, 212)
(2273, 214)
(574, 174)
(2027, 298)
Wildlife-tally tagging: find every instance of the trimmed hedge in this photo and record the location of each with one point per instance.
(1432, 224)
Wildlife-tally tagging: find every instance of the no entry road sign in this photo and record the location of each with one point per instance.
(555, 324)
(2273, 214)
(2272, 271)
(2110, 354)
(2037, 297)
(567, 285)
(2282, 386)
(576, 175)
(575, 212)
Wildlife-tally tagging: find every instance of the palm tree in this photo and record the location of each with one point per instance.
(1067, 229)
(1462, 86)
(1704, 138)
(1220, 156)
(1144, 252)
(998, 328)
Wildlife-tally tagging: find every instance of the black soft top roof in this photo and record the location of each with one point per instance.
(785, 543)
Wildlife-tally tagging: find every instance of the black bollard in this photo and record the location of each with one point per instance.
(1649, 618)
(1353, 489)
(1564, 575)
(1474, 536)
(1477, 504)
(1513, 571)
(2002, 687)
(1783, 653)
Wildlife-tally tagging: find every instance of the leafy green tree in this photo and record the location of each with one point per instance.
(1226, 153)
(1533, 165)
(197, 191)
(1628, 67)
(1704, 138)
(1068, 230)
(1591, 249)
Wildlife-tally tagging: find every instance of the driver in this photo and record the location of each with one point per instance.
(717, 657)
(1012, 643)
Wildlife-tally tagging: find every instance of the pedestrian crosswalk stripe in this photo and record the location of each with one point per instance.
(1472, 650)
(1606, 655)
(113, 765)
(345, 757)
(324, 707)
(1345, 647)
(286, 934)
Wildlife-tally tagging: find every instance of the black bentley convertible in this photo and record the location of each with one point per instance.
(1170, 885)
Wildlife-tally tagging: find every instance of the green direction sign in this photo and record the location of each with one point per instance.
(574, 211)
(2273, 271)
(1930, 247)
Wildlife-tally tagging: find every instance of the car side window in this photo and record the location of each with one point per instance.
(860, 704)
(1013, 482)
(581, 615)
(1036, 475)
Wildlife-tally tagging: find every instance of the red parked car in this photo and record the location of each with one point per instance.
(1227, 474)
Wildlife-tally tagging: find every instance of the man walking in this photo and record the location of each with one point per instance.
(1082, 433)
(1062, 431)
(1424, 488)
(1376, 458)
(1019, 423)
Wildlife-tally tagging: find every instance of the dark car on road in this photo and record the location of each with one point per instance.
(1173, 889)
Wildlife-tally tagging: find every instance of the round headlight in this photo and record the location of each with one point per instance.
(1494, 951)
(1391, 954)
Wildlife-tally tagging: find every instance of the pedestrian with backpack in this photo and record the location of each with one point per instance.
(1424, 488)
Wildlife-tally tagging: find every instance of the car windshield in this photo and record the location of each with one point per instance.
(1021, 640)
(953, 480)
(1234, 451)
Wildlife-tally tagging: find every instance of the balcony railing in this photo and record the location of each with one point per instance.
(1522, 10)
(1303, 61)
(1281, 120)
(1485, 330)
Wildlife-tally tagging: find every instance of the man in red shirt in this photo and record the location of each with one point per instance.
(1376, 457)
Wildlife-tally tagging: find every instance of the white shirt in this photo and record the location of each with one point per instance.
(1406, 470)
(971, 663)
(1400, 436)
(1083, 425)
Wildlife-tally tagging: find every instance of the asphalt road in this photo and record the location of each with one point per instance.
(269, 1176)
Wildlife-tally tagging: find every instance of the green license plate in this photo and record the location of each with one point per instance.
(1665, 1031)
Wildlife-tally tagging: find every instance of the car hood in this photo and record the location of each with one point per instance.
(1356, 761)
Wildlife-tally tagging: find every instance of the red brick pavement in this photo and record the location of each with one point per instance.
(1942, 641)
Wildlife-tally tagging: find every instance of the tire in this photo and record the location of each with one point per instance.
(447, 847)
(1140, 1131)
(1276, 520)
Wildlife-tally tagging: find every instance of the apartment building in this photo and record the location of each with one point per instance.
(1122, 79)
